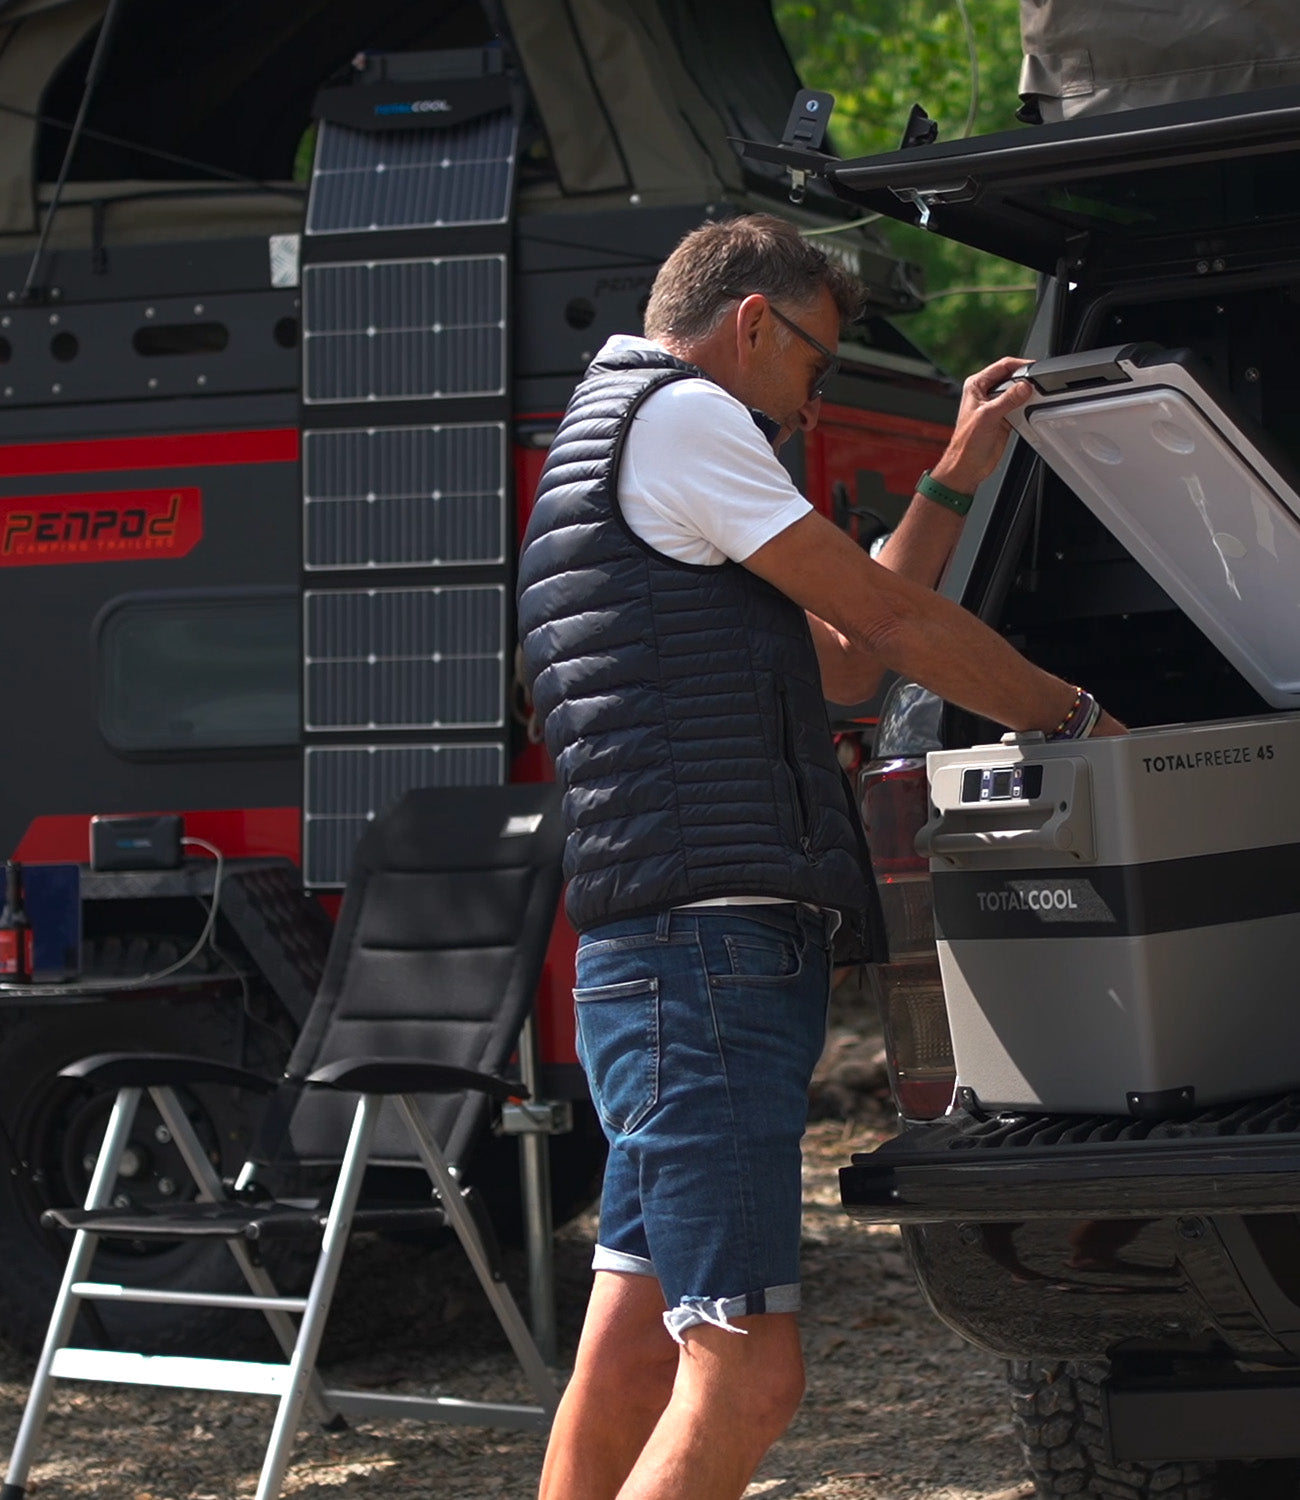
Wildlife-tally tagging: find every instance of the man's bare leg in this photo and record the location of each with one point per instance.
(622, 1379)
(733, 1397)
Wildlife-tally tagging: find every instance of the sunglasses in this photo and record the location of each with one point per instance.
(832, 361)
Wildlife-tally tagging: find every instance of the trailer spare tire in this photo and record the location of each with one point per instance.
(50, 1131)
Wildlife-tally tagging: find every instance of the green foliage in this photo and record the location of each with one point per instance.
(879, 57)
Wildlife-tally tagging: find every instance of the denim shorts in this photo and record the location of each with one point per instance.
(699, 1030)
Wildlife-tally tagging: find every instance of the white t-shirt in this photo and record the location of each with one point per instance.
(699, 482)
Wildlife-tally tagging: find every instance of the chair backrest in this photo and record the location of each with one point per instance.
(437, 954)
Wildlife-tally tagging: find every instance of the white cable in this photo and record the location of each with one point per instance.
(840, 228)
(974, 57)
(204, 937)
(971, 291)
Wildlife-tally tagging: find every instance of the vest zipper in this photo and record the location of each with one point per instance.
(802, 810)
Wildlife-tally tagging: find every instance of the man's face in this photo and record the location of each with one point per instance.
(799, 356)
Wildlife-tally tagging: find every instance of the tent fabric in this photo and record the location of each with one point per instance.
(619, 108)
(142, 213)
(1095, 59)
(35, 37)
(633, 97)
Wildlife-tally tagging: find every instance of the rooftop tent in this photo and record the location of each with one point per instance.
(619, 109)
(642, 97)
(1090, 59)
(194, 100)
(200, 109)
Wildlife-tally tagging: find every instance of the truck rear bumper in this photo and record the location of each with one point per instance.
(1229, 1160)
(1071, 1238)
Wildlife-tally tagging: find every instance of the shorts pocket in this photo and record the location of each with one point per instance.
(752, 958)
(618, 1039)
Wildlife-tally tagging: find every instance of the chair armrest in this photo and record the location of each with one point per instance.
(397, 1075)
(117, 1070)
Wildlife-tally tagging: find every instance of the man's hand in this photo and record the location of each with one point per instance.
(981, 432)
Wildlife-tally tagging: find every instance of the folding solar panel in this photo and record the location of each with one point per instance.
(413, 179)
(406, 472)
(404, 497)
(347, 786)
(426, 658)
(404, 330)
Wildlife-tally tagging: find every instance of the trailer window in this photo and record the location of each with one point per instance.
(199, 671)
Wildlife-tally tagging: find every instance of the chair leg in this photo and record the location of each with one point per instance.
(535, 1183)
(503, 1304)
(212, 1189)
(302, 1366)
(67, 1302)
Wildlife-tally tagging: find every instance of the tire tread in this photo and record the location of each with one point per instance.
(1056, 1410)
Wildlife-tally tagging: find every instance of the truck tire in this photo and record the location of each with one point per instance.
(50, 1130)
(1056, 1410)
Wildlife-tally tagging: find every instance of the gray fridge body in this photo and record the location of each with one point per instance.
(1118, 920)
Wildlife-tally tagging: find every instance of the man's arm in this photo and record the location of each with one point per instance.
(905, 626)
(923, 540)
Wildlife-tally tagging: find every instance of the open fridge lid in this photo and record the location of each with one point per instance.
(1189, 487)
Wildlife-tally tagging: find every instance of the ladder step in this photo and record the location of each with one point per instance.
(105, 1290)
(118, 1365)
(439, 1409)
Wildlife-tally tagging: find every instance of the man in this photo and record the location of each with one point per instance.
(684, 614)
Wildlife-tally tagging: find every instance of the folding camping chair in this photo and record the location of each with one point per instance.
(430, 977)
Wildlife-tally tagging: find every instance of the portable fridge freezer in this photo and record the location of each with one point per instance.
(1118, 920)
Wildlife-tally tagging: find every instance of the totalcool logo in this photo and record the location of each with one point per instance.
(1058, 901)
(416, 107)
(1047, 899)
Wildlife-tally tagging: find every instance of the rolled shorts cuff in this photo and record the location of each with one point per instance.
(605, 1259)
(718, 1312)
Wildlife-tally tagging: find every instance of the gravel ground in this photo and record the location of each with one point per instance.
(898, 1407)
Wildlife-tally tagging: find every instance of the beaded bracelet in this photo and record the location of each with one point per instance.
(1081, 718)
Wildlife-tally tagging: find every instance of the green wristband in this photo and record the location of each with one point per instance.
(940, 493)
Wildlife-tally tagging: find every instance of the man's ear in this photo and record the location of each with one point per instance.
(749, 321)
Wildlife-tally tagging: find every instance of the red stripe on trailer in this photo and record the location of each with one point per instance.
(173, 450)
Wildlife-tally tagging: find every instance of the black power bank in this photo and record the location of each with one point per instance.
(152, 843)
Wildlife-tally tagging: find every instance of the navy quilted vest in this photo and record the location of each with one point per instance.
(682, 704)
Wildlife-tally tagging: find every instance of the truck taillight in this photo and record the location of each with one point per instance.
(908, 989)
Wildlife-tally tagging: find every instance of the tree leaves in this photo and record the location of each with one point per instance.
(879, 57)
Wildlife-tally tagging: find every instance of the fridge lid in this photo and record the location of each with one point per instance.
(1189, 487)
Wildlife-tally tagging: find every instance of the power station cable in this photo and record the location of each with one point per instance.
(137, 981)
